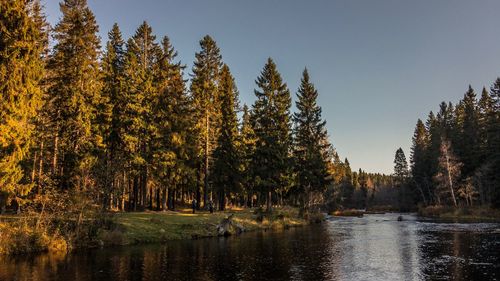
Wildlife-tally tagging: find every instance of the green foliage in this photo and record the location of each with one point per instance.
(75, 92)
(227, 174)
(311, 147)
(207, 105)
(22, 44)
(458, 151)
(173, 142)
(271, 124)
(110, 152)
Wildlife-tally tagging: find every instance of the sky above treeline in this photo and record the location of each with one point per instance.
(378, 65)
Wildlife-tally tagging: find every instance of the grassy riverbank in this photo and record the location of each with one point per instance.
(17, 236)
(466, 214)
(153, 227)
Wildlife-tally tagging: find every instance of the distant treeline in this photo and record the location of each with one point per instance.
(121, 127)
(455, 156)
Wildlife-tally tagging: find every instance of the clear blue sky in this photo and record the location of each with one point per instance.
(378, 65)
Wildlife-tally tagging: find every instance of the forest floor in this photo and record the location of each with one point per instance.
(465, 214)
(154, 227)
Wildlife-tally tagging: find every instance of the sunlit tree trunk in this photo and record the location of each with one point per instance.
(450, 182)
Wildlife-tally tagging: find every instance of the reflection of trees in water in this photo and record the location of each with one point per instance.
(407, 243)
(326, 252)
(459, 255)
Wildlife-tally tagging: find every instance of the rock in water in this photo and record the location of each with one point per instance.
(228, 227)
(400, 218)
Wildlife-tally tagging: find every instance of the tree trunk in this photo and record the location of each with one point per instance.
(198, 190)
(423, 195)
(269, 202)
(33, 171)
(3, 202)
(450, 181)
(207, 150)
(40, 170)
(136, 193)
(174, 197)
(164, 199)
(124, 180)
(158, 199)
(54, 159)
(222, 200)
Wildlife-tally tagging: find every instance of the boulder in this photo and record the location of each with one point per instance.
(228, 227)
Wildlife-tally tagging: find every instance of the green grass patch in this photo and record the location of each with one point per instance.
(154, 227)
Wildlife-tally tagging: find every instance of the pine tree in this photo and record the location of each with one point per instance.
(494, 143)
(204, 90)
(486, 111)
(400, 166)
(75, 89)
(21, 70)
(43, 131)
(435, 134)
(310, 142)
(418, 159)
(139, 92)
(347, 187)
(401, 177)
(172, 140)
(226, 171)
(445, 119)
(247, 149)
(110, 110)
(271, 123)
(469, 137)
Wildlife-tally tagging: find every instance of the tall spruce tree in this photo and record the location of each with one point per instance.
(42, 130)
(227, 171)
(172, 140)
(110, 110)
(469, 133)
(435, 135)
(247, 149)
(419, 167)
(310, 145)
(485, 111)
(22, 45)
(139, 66)
(494, 143)
(204, 90)
(401, 178)
(75, 89)
(347, 188)
(271, 123)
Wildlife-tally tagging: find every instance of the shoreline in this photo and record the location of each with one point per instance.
(148, 227)
(156, 227)
(460, 214)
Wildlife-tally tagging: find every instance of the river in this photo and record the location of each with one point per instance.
(374, 247)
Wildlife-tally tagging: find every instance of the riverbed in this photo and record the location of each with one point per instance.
(374, 247)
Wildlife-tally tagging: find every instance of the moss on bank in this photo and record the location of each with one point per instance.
(466, 214)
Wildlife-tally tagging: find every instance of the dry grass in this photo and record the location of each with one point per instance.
(461, 213)
(16, 237)
(348, 213)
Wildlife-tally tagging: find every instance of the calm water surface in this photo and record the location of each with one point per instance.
(375, 247)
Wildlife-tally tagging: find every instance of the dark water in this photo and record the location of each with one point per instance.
(376, 247)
